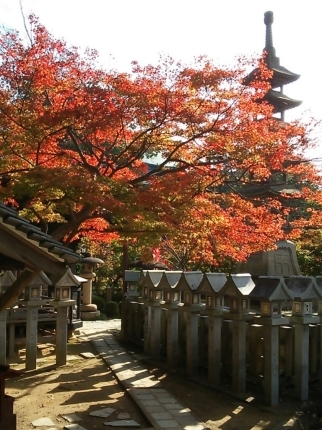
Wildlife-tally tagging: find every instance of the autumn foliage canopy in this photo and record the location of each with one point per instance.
(165, 151)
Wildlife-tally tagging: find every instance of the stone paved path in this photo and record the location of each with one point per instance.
(161, 409)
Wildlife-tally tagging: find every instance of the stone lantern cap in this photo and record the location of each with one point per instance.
(132, 276)
(304, 287)
(212, 283)
(170, 280)
(7, 279)
(238, 285)
(271, 288)
(40, 279)
(91, 261)
(68, 280)
(152, 278)
(190, 281)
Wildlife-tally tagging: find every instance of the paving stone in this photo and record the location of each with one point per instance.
(87, 355)
(161, 416)
(45, 422)
(74, 427)
(123, 416)
(104, 413)
(71, 418)
(122, 423)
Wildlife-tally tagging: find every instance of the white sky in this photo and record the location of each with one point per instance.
(126, 30)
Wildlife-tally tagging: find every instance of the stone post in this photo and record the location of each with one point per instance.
(287, 335)
(314, 336)
(256, 350)
(214, 348)
(31, 334)
(271, 363)
(301, 376)
(301, 354)
(61, 330)
(239, 356)
(172, 336)
(192, 340)
(155, 341)
(147, 329)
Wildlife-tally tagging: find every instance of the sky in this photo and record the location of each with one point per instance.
(126, 30)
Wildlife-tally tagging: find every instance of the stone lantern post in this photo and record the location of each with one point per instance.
(237, 288)
(211, 286)
(33, 301)
(88, 309)
(305, 292)
(171, 301)
(63, 288)
(188, 284)
(271, 291)
(152, 296)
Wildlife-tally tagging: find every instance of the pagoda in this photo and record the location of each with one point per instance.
(281, 261)
(280, 77)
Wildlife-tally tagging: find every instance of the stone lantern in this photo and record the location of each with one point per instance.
(188, 284)
(305, 290)
(211, 286)
(151, 286)
(318, 303)
(88, 309)
(34, 290)
(171, 301)
(63, 285)
(152, 297)
(271, 292)
(131, 278)
(6, 280)
(169, 285)
(238, 288)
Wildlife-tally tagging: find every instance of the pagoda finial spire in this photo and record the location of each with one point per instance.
(268, 20)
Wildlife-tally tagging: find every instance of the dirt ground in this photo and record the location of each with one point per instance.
(87, 384)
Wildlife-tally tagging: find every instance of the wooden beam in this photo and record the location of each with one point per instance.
(29, 254)
(12, 293)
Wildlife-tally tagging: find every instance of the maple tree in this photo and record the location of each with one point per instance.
(78, 146)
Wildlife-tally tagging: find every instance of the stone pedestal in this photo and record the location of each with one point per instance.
(32, 334)
(172, 336)
(286, 334)
(62, 330)
(301, 353)
(192, 318)
(239, 356)
(214, 348)
(147, 329)
(271, 358)
(155, 342)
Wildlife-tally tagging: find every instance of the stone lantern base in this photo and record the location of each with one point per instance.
(89, 312)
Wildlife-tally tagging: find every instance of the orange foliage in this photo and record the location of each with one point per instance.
(76, 140)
